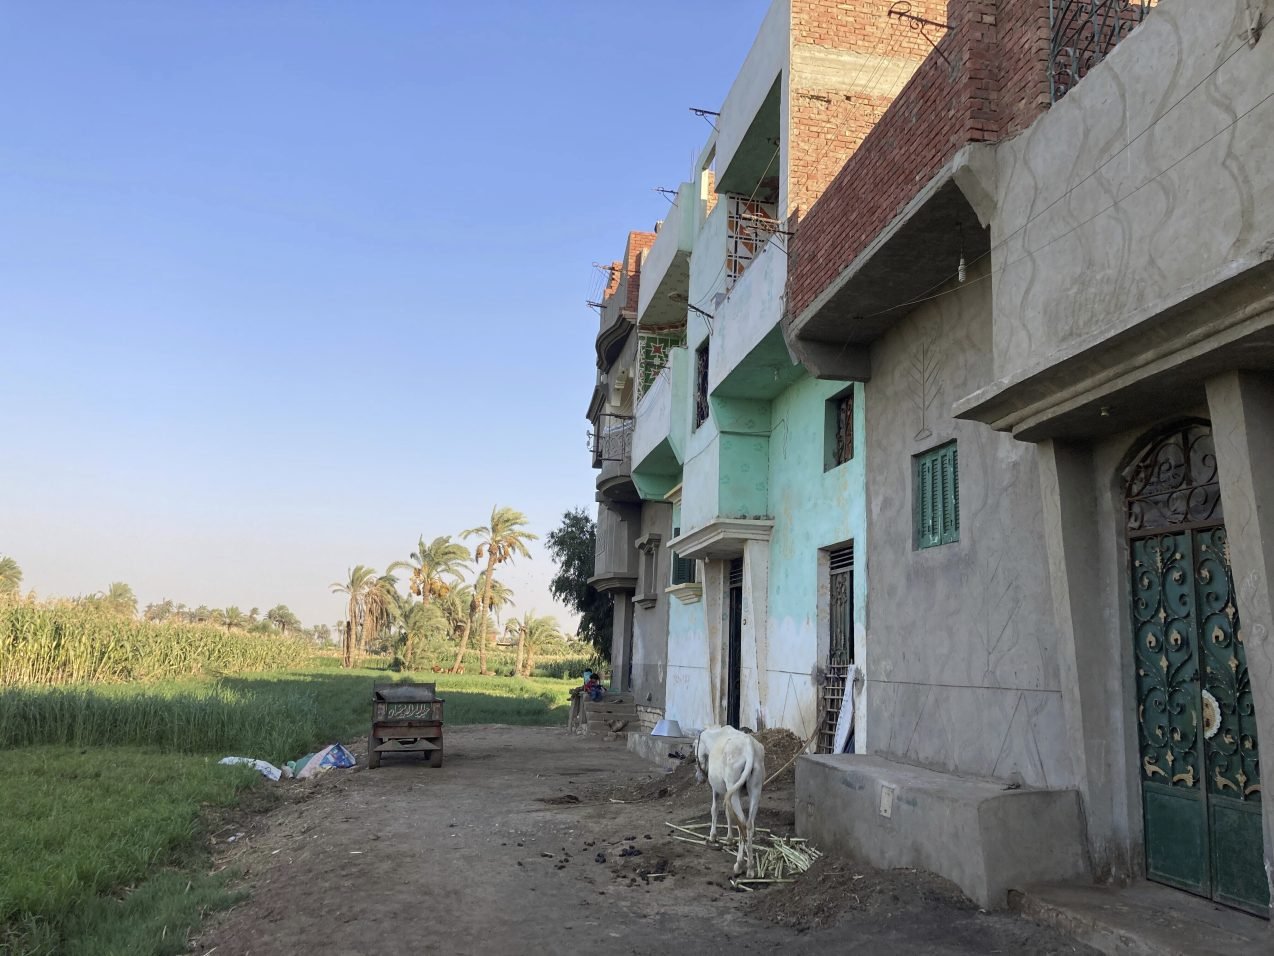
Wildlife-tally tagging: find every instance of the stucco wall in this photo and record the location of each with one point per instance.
(749, 313)
(764, 62)
(650, 624)
(962, 670)
(813, 509)
(693, 652)
(1150, 181)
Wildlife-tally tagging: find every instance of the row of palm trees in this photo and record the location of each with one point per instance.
(119, 598)
(278, 619)
(446, 604)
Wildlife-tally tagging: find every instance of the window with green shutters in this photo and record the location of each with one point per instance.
(683, 569)
(936, 484)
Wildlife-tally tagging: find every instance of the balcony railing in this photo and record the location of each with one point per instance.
(611, 439)
(1084, 32)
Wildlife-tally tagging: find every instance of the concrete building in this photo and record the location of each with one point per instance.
(1049, 270)
(624, 520)
(754, 455)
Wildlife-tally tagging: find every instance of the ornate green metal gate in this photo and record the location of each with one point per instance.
(1200, 775)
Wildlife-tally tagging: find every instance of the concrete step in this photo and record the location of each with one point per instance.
(601, 709)
(1144, 919)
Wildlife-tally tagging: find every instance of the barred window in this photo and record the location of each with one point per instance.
(701, 384)
(839, 430)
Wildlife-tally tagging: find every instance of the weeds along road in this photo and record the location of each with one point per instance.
(514, 846)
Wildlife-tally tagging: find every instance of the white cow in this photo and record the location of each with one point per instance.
(734, 764)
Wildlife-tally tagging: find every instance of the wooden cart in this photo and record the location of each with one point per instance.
(406, 718)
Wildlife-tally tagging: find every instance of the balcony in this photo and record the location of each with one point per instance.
(666, 269)
(658, 446)
(615, 555)
(612, 445)
(749, 357)
(1083, 32)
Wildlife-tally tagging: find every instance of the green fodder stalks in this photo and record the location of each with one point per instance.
(88, 845)
(65, 644)
(210, 720)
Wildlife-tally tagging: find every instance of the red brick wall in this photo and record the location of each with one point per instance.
(825, 125)
(638, 243)
(625, 276)
(995, 86)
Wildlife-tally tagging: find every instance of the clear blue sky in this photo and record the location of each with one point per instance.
(284, 285)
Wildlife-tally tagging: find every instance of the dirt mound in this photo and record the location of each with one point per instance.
(781, 745)
(834, 887)
(659, 787)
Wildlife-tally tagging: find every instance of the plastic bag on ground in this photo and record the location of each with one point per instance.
(326, 759)
(267, 770)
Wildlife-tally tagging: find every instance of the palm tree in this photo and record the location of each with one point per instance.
(233, 617)
(455, 607)
(431, 564)
(500, 595)
(368, 607)
(120, 599)
(282, 618)
(10, 577)
(533, 632)
(501, 541)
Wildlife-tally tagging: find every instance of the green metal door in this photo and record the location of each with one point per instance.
(1200, 774)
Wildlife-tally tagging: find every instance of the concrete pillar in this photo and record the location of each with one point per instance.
(756, 603)
(1091, 659)
(1241, 406)
(621, 646)
(715, 574)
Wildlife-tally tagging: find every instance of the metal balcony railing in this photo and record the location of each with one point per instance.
(1083, 33)
(611, 438)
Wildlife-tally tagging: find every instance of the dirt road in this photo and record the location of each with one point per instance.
(517, 845)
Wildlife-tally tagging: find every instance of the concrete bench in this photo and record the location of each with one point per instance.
(980, 836)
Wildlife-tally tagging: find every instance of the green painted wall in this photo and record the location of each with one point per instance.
(813, 509)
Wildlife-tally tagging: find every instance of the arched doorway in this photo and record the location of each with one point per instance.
(1199, 768)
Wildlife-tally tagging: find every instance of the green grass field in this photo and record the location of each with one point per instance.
(105, 788)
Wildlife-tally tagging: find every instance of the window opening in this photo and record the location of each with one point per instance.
(701, 384)
(683, 569)
(936, 482)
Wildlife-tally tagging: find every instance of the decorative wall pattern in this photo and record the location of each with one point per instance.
(653, 349)
(749, 225)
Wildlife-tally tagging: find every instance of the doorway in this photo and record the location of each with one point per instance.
(734, 648)
(1197, 741)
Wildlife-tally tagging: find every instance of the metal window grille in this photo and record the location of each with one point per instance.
(844, 449)
(936, 480)
(841, 646)
(840, 651)
(736, 573)
(612, 438)
(701, 384)
(750, 224)
(1083, 34)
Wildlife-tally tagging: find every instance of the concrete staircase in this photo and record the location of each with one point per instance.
(614, 715)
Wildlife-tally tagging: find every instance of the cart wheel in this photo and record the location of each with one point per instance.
(435, 756)
(373, 755)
